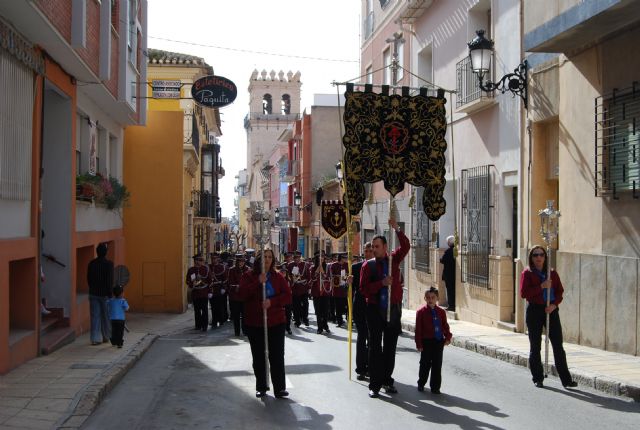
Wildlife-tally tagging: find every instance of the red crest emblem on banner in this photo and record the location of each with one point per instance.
(334, 218)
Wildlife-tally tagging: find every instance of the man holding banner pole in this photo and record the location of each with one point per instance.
(375, 279)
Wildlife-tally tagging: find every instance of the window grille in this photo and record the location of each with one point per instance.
(476, 225)
(467, 84)
(421, 227)
(617, 141)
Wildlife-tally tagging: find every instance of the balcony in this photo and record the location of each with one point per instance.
(289, 171)
(289, 215)
(470, 97)
(203, 204)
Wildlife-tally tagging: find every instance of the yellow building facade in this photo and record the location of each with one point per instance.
(171, 167)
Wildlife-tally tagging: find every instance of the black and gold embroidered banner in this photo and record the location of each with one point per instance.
(395, 139)
(334, 218)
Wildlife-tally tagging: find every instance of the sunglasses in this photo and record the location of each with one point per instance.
(538, 254)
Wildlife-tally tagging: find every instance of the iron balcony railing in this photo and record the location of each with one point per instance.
(203, 203)
(468, 85)
(289, 171)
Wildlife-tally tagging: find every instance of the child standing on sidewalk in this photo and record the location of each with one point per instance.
(432, 334)
(117, 307)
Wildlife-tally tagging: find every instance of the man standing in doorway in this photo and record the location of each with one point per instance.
(100, 280)
(448, 260)
(375, 278)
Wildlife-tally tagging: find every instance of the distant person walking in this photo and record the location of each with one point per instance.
(117, 307)
(100, 280)
(535, 284)
(448, 260)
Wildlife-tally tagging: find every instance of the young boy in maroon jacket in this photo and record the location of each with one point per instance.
(432, 335)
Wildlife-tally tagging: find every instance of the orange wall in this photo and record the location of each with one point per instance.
(153, 172)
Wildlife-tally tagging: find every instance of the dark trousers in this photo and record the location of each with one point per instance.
(218, 310)
(275, 338)
(288, 311)
(237, 316)
(300, 308)
(332, 309)
(201, 313)
(536, 320)
(341, 309)
(450, 285)
(321, 307)
(383, 339)
(117, 332)
(431, 361)
(362, 344)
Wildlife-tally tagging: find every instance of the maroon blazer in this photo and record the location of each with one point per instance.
(531, 290)
(424, 324)
(251, 294)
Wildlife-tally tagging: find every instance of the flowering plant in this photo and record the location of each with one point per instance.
(105, 190)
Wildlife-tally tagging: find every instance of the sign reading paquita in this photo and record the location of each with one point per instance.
(214, 91)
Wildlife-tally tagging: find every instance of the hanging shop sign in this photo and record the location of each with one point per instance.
(162, 89)
(214, 91)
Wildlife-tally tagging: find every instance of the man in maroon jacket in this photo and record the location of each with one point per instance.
(339, 271)
(199, 281)
(233, 287)
(219, 282)
(383, 334)
(299, 281)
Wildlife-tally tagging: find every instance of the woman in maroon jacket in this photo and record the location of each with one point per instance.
(534, 286)
(278, 296)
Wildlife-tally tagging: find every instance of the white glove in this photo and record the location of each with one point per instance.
(222, 291)
(209, 295)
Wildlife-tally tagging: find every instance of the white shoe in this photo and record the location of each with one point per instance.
(43, 310)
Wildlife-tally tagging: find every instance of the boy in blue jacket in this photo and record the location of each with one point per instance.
(117, 307)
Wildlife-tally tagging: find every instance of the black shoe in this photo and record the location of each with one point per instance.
(389, 389)
(539, 384)
(373, 394)
(261, 394)
(319, 331)
(421, 388)
(435, 391)
(361, 377)
(204, 329)
(327, 330)
(570, 384)
(306, 323)
(289, 331)
(282, 393)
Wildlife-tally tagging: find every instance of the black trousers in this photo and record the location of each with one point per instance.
(300, 308)
(288, 311)
(431, 361)
(332, 309)
(362, 344)
(450, 285)
(218, 310)
(201, 313)
(321, 307)
(341, 309)
(237, 316)
(383, 339)
(536, 320)
(117, 332)
(275, 337)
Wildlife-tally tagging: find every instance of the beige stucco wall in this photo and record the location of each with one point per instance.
(539, 12)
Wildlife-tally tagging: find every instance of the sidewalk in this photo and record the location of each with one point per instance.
(610, 372)
(62, 389)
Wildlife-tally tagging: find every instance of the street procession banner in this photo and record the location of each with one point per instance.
(334, 218)
(395, 139)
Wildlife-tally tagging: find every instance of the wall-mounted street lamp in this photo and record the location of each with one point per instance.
(480, 53)
(276, 215)
(339, 171)
(297, 200)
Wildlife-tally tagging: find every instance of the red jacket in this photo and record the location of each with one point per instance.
(299, 288)
(251, 294)
(199, 290)
(531, 290)
(233, 281)
(316, 289)
(219, 278)
(336, 269)
(424, 324)
(369, 288)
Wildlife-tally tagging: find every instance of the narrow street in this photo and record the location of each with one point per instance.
(205, 381)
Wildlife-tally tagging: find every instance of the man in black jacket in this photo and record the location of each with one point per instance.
(360, 317)
(100, 280)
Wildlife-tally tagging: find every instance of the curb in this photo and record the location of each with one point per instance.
(88, 399)
(592, 380)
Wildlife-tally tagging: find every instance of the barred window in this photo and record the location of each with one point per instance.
(421, 228)
(618, 143)
(476, 225)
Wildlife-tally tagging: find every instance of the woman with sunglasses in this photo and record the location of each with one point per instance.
(534, 286)
(278, 296)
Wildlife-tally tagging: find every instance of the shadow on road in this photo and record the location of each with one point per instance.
(602, 401)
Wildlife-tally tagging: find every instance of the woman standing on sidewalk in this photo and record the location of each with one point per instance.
(534, 286)
(278, 296)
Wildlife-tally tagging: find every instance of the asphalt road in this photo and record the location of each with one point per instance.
(205, 381)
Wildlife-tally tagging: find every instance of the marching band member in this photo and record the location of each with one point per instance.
(233, 287)
(198, 281)
(332, 303)
(288, 310)
(218, 283)
(299, 279)
(375, 277)
(320, 291)
(278, 296)
(339, 287)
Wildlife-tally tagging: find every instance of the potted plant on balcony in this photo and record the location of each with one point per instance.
(107, 191)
